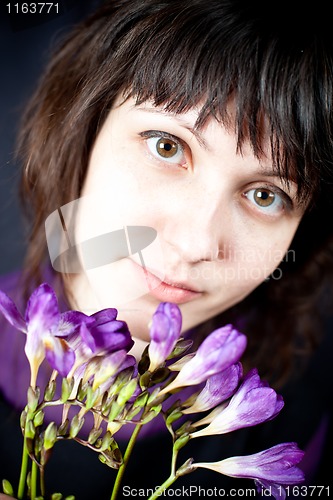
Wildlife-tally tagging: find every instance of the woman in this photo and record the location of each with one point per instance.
(207, 129)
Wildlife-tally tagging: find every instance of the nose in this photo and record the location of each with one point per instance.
(198, 231)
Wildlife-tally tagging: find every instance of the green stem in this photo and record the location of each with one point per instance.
(33, 486)
(24, 470)
(173, 462)
(42, 481)
(127, 455)
(157, 493)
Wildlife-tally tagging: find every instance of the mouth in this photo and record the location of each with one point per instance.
(167, 289)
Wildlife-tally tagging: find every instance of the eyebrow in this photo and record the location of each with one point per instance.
(197, 134)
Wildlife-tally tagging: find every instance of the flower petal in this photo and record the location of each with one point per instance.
(104, 316)
(254, 402)
(11, 313)
(111, 336)
(218, 388)
(59, 354)
(222, 348)
(70, 321)
(42, 313)
(275, 465)
(164, 333)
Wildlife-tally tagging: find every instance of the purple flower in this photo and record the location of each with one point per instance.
(253, 403)
(164, 333)
(218, 388)
(103, 336)
(272, 467)
(222, 348)
(43, 324)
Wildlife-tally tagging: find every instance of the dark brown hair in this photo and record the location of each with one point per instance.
(178, 54)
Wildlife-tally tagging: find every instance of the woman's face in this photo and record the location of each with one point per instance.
(223, 219)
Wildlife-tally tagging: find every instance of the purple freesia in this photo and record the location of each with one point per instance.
(222, 348)
(217, 389)
(253, 403)
(102, 337)
(164, 333)
(272, 467)
(43, 324)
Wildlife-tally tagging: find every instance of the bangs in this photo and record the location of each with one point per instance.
(181, 56)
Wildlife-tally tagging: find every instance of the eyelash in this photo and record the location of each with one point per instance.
(287, 203)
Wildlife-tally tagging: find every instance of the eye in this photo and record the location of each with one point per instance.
(165, 147)
(268, 201)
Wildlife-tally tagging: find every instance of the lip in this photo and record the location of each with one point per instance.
(168, 290)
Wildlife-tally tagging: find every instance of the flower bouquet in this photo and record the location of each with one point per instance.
(94, 376)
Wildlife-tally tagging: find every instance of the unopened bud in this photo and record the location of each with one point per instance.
(94, 435)
(114, 411)
(33, 398)
(66, 389)
(50, 390)
(181, 441)
(39, 418)
(50, 436)
(29, 430)
(63, 429)
(23, 419)
(186, 468)
(127, 392)
(7, 487)
(92, 397)
(141, 400)
(76, 424)
(174, 415)
(152, 413)
(106, 441)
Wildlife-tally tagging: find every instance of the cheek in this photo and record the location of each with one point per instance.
(260, 261)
